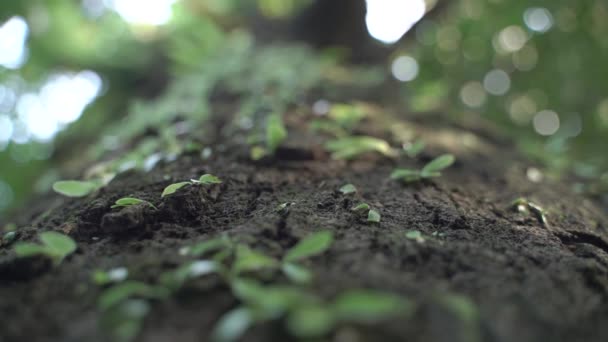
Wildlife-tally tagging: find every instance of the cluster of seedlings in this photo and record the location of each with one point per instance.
(361, 209)
(125, 302)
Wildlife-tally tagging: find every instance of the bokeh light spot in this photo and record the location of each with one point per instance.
(144, 12)
(473, 94)
(13, 35)
(538, 19)
(388, 20)
(546, 122)
(497, 82)
(405, 68)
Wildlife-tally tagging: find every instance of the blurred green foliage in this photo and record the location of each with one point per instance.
(535, 68)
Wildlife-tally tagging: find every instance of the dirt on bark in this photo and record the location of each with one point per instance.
(529, 280)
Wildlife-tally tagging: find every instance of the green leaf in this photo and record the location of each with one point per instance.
(207, 246)
(8, 238)
(373, 216)
(257, 153)
(275, 132)
(462, 306)
(414, 149)
(129, 289)
(442, 162)
(415, 235)
(351, 147)
(129, 201)
(297, 273)
(348, 189)
(58, 244)
(312, 245)
(310, 321)
(72, 188)
(27, 249)
(171, 189)
(361, 207)
(232, 325)
(368, 306)
(209, 179)
(406, 175)
(250, 260)
(124, 321)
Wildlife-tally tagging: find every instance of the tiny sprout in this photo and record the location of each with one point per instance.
(352, 147)
(55, 246)
(171, 189)
(373, 216)
(275, 132)
(8, 238)
(207, 179)
(115, 275)
(129, 201)
(72, 188)
(413, 149)
(415, 235)
(430, 170)
(348, 189)
(312, 245)
(361, 207)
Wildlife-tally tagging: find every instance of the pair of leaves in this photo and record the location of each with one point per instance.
(317, 243)
(55, 246)
(373, 216)
(430, 170)
(206, 179)
(129, 201)
(351, 147)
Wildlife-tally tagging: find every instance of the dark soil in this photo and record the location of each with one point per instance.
(529, 281)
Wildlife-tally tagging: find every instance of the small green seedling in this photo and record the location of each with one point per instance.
(415, 235)
(8, 238)
(414, 149)
(312, 245)
(276, 133)
(430, 170)
(171, 189)
(373, 216)
(129, 201)
(525, 206)
(72, 188)
(206, 179)
(55, 246)
(348, 189)
(115, 275)
(353, 146)
(124, 321)
(129, 289)
(360, 208)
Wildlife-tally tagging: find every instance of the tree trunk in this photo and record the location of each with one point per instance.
(456, 248)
